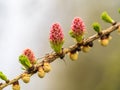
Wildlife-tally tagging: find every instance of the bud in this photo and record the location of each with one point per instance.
(30, 55)
(73, 56)
(41, 72)
(107, 18)
(16, 86)
(25, 61)
(96, 27)
(56, 37)
(77, 29)
(26, 78)
(86, 49)
(104, 42)
(3, 76)
(46, 67)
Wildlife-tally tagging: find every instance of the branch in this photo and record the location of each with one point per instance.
(51, 57)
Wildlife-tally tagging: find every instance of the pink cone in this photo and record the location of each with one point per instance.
(56, 37)
(78, 26)
(56, 33)
(30, 55)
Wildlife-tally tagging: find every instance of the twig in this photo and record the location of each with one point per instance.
(51, 57)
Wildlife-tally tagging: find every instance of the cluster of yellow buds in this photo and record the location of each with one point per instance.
(45, 68)
(26, 77)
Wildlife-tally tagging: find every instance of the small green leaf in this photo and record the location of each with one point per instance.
(57, 47)
(96, 27)
(3, 76)
(107, 18)
(77, 37)
(24, 61)
(71, 34)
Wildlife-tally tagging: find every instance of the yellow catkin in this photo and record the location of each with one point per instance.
(85, 49)
(26, 78)
(41, 72)
(104, 42)
(46, 67)
(73, 56)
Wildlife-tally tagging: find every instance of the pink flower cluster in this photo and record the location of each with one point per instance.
(30, 55)
(56, 34)
(78, 26)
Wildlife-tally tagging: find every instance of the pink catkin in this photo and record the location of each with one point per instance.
(56, 33)
(30, 55)
(78, 26)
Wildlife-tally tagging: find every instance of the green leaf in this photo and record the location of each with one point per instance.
(57, 47)
(107, 18)
(77, 37)
(3, 76)
(71, 34)
(96, 27)
(24, 61)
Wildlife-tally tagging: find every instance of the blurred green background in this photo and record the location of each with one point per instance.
(26, 24)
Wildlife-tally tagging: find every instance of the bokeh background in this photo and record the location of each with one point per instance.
(26, 24)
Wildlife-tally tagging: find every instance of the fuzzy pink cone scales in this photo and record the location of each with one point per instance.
(56, 37)
(30, 55)
(77, 29)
